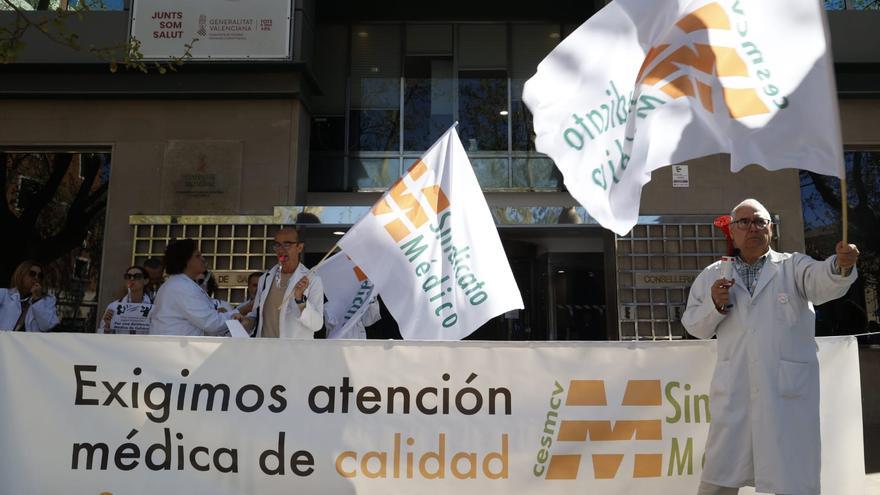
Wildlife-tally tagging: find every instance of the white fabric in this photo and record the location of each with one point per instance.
(431, 248)
(295, 324)
(765, 389)
(41, 315)
(750, 78)
(183, 308)
(354, 327)
(330, 399)
(351, 298)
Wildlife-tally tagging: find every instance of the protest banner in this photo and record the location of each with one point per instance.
(91, 414)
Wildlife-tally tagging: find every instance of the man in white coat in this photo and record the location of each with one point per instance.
(289, 302)
(764, 396)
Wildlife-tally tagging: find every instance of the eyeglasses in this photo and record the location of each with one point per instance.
(745, 223)
(35, 274)
(133, 276)
(285, 244)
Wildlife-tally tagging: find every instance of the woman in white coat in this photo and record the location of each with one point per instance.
(25, 306)
(182, 307)
(764, 396)
(136, 279)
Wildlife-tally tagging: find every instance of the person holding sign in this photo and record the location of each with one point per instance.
(289, 301)
(182, 307)
(25, 306)
(130, 313)
(765, 391)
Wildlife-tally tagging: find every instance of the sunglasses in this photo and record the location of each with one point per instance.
(36, 274)
(133, 276)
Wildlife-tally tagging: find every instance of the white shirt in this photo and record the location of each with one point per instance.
(357, 329)
(183, 308)
(294, 324)
(41, 315)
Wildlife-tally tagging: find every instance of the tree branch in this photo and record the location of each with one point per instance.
(60, 165)
(826, 192)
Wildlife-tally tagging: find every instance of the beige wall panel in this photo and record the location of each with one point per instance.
(138, 132)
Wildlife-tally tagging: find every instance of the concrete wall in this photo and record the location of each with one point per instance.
(137, 131)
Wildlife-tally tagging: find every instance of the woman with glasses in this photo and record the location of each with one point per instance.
(136, 279)
(25, 306)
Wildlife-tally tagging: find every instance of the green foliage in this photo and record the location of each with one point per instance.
(54, 19)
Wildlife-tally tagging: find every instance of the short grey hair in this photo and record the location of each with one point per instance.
(753, 203)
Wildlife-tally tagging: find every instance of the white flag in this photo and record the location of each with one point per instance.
(644, 84)
(431, 248)
(348, 294)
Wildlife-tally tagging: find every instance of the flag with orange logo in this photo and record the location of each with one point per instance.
(348, 293)
(431, 248)
(644, 84)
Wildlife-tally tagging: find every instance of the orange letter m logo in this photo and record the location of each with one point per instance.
(605, 466)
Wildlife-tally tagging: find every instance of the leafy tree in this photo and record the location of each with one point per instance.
(822, 213)
(56, 20)
(52, 202)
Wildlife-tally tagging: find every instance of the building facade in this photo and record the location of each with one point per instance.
(225, 151)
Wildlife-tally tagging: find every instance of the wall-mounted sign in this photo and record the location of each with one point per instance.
(659, 280)
(231, 279)
(201, 177)
(680, 176)
(222, 29)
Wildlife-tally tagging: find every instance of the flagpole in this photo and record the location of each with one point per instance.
(843, 208)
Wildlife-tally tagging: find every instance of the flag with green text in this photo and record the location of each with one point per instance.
(430, 247)
(645, 84)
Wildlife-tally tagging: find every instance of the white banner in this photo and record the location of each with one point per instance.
(222, 29)
(348, 294)
(645, 84)
(431, 248)
(142, 415)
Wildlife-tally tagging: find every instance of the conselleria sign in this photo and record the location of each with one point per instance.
(92, 414)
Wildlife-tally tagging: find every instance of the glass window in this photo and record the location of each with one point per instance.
(373, 173)
(482, 109)
(492, 173)
(536, 173)
(429, 39)
(427, 101)
(530, 44)
(482, 46)
(330, 69)
(375, 88)
(326, 173)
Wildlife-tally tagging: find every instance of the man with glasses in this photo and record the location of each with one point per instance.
(25, 306)
(765, 391)
(289, 301)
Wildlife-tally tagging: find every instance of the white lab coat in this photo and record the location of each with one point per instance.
(764, 397)
(41, 315)
(183, 308)
(358, 329)
(294, 324)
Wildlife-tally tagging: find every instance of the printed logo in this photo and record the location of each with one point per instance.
(591, 393)
(203, 25)
(690, 70)
(405, 207)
